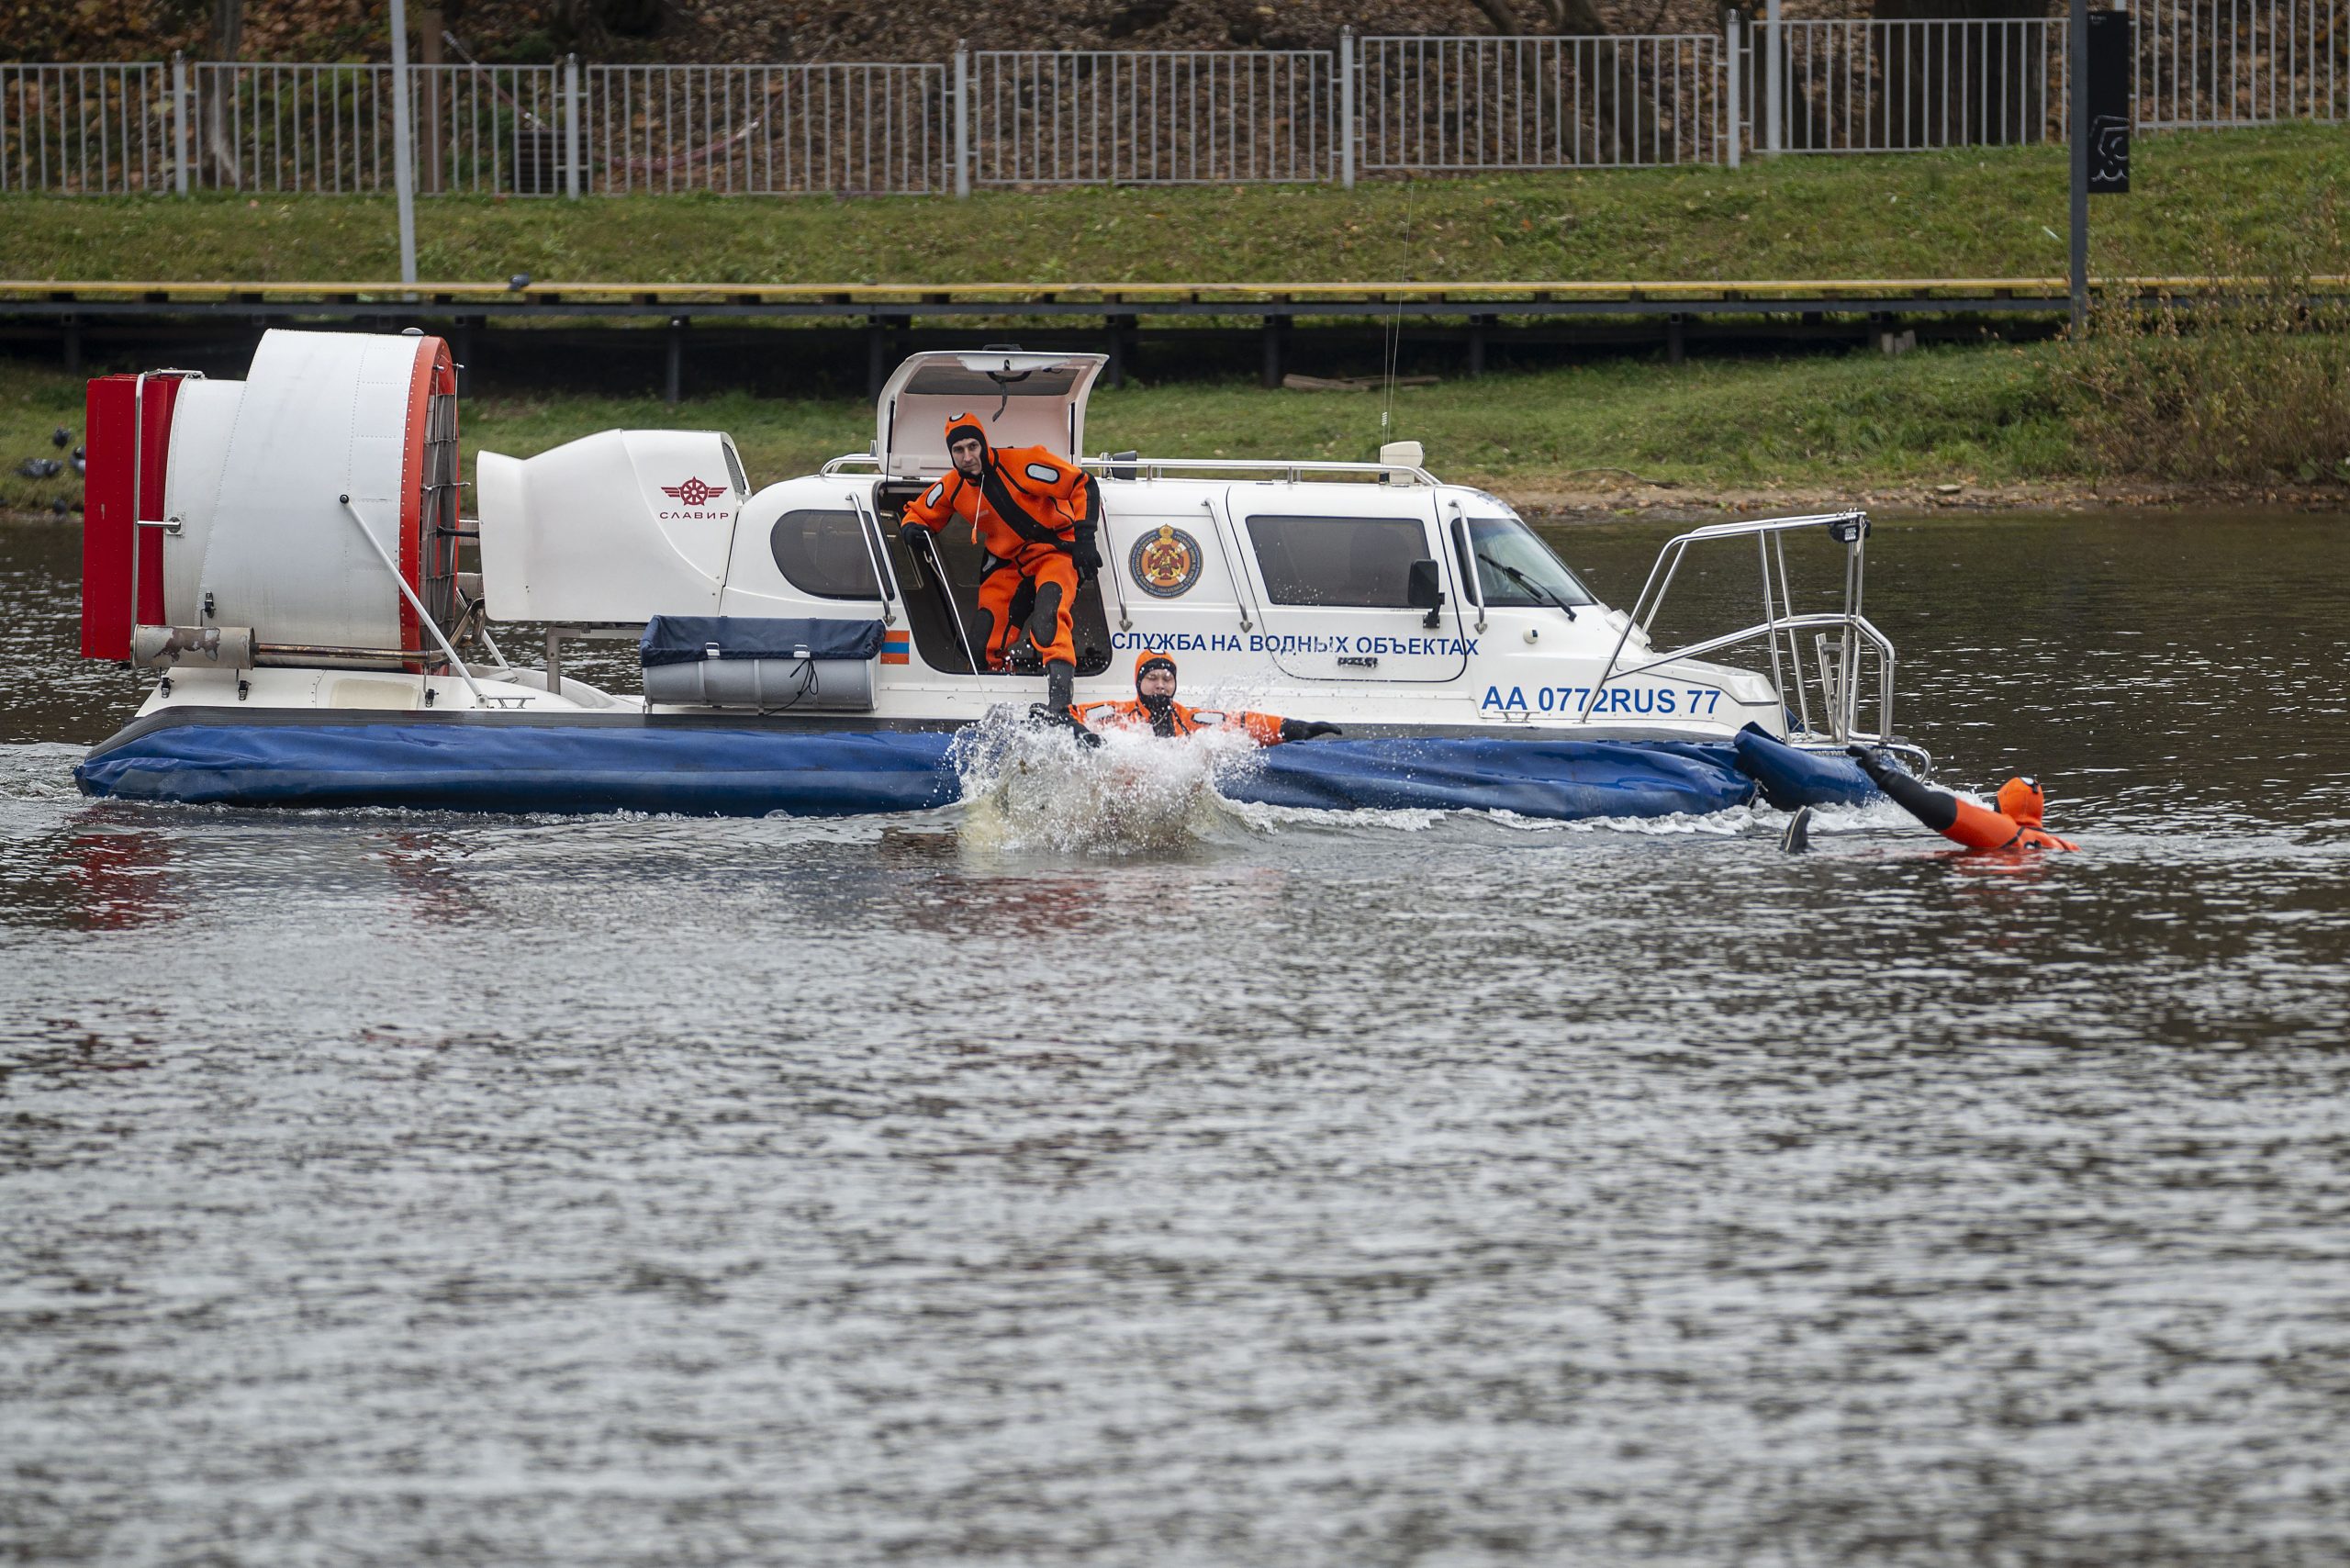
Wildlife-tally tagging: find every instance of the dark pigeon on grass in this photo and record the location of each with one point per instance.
(40, 467)
(60, 437)
(80, 461)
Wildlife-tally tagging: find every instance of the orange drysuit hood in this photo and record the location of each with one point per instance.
(965, 427)
(2021, 800)
(1143, 661)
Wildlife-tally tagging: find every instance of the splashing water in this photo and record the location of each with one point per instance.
(1035, 786)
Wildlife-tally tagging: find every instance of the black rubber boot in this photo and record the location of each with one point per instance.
(1060, 677)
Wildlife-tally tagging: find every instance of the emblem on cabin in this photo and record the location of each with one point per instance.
(1166, 561)
(694, 492)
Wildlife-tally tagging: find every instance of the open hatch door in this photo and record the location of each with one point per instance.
(1024, 399)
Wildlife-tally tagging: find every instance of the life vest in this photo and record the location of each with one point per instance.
(1024, 498)
(1177, 720)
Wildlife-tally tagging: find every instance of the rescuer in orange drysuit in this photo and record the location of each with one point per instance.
(1039, 518)
(2015, 825)
(1155, 709)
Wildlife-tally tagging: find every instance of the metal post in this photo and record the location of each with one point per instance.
(403, 173)
(571, 126)
(676, 387)
(1347, 108)
(1729, 42)
(2076, 53)
(1774, 71)
(962, 119)
(179, 122)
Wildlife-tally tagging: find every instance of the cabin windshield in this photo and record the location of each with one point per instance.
(1514, 567)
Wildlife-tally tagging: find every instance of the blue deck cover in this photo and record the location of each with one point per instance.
(726, 770)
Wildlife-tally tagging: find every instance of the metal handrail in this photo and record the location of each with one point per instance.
(1841, 688)
(884, 576)
(1295, 467)
(1466, 549)
(1241, 597)
(423, 615)
(1860, 624)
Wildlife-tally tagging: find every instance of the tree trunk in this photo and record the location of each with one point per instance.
(227, 39)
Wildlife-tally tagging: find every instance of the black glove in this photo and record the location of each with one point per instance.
(910, 535)
(1087, 556)
(1307, 729)
(1038, 713)
(1871, 762)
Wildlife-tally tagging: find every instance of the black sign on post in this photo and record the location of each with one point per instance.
(2097, 123)
(2108, 103)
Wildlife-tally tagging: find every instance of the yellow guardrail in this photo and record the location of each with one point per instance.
(1107, 294)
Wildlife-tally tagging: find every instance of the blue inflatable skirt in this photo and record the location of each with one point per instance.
(460, 766)
(715, 770)
(1789, 777)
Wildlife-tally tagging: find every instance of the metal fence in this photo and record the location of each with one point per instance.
(766, 129)
(1896, 87)
(327, 128)
(1098, 117)
(1543, 103)
(2243, 61)
(1149, 117)
(100, 128)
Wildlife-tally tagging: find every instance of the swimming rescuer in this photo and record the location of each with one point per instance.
(1038, 519)
(2015, 825)
(1154, 708)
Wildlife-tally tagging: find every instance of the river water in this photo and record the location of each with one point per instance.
(1276, 1188)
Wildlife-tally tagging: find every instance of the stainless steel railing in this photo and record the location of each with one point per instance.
(1838, 672)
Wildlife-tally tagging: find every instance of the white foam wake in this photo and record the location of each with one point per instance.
(1035, 786)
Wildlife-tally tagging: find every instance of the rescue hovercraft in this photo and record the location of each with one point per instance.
(289, 557)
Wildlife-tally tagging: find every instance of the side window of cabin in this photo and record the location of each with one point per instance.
(825, 553)
(1364, 562)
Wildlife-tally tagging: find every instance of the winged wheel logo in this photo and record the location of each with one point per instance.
(695, 492)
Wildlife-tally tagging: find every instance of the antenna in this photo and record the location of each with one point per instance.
(1391, 340)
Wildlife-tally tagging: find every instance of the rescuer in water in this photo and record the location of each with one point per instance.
(1038, 517)
(1154, 708)
(2015, 825)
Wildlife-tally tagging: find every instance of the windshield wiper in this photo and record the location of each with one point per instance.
(1529, 584)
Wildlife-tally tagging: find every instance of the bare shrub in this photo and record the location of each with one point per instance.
(2244, 376)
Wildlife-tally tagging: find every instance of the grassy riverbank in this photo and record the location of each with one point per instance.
(1976, 212)
(2026, 425)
